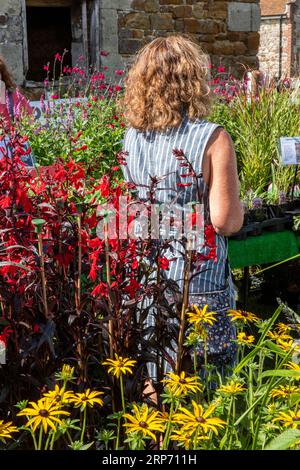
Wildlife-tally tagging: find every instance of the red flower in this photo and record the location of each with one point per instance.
(104, 53)
(119, 72)
(5, 335)
(163, 262)
(57, 57)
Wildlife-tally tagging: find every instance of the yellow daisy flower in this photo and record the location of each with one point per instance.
(201, 316)
(243, 316)
(119, 365)
(276, 336)
(284, 391)
(66, 374)
(6, 430)
(289, 419)
(288, 345)
(88, 398)
(59, 395)
(185, 438)
(243, 338)
(44, 413)
(232, 388)
(282, 328)
(180, 385)
(145, 421)
(293, 366)
(198, 420)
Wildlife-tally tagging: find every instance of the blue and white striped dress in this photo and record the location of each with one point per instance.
(150, 154)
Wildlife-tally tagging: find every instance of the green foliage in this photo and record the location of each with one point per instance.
(255, 126)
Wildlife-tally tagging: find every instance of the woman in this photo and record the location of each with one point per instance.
(166, 100)
(12, 103)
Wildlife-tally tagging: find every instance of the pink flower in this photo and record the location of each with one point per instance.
(119, 72)
(118, 88)
(46, 67)
(104, 53)
(221, 69)
(57, 57)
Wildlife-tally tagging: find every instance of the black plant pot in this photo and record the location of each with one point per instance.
(258, 215)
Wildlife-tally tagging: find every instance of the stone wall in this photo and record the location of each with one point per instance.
(296, 36)
(11, 36)
(269, 55)
(227, 30)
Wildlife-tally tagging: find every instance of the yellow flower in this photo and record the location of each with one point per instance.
(198, 420)
(232, 388)
(276, 336)
(180, 385)
(185, 438)
(119, 365)
(87, 398)
(284, 391)
(289, 419)
(66, 374)
(43, 413)
(59, 395)
(243, 316)
(6, 430)
(243, 338)
(282, 328)
(293, 366)
(200, 317)
(272, 408)
(288, 345)
(145, 421)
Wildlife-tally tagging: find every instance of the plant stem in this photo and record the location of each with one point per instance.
(185, 301)
(43, 277)
(122, 393)
(166, 440)
(79, 268)
(118, 434)
(83, 425)
(40, 438)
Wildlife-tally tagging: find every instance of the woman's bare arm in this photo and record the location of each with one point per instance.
(225, 206)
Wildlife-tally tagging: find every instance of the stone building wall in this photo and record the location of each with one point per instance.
(270, 46)
(227, 30)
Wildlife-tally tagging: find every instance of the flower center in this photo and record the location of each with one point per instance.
(58, 398)
(44, 413)
(200, 419)
(296, 418)
(143, 424)
(120, 364)
(182, 381)
(84, 398)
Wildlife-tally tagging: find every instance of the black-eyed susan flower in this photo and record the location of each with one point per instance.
(89, 398)
(293, 366)
(201, 316)
(288, 419)
(243, 338)
(185, 438)
(66, 374)
(144, 421)
(288, 345)
(120, 365)
(276, 336)
(284, 391)
(232, 388)
(242, 316)
(180, 385)
(200, 419)
(44, 413)
(282, 328)
(6, 430)
(59, 395)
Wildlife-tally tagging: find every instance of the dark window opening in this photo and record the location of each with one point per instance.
(48, 32)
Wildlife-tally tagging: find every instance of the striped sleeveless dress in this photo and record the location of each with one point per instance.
(150, 154)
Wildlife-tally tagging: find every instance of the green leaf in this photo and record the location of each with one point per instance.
(284, 441)
(38, 221)
(281, 373)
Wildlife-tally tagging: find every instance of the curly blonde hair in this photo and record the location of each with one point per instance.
(167, 79)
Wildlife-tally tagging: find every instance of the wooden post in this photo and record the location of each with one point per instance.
(85, 32)
(25, 39)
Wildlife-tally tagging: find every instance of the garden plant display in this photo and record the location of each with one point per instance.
(73, 305)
